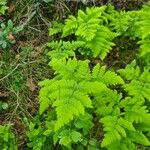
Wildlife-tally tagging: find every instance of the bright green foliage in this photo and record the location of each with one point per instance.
(70, 100)
(144, 28)
(3, 7)
(71, 69)
(63, 49)
(136, 112)
(69, 136)
(38, 137)
(35, 135)
(131, 71)
(7, 138)
(57, 28)
(119, 125)
(88, 27)
(69, 94)
(5, 32)
(85, 123)
(70, 90)
(115, 129)
(124, 23)
(135, 25)
(119, 129)
(139, 85)
(107, 77)
(83, 100)
(107, 103)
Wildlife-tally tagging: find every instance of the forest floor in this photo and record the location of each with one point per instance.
(24, 64)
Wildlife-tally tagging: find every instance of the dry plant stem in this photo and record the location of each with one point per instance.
(34, 29)
(18, 106)
(10, 73)
(16, 69)
(17, 102)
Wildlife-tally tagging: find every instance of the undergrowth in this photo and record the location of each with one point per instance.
(79, 93)
(83, 105)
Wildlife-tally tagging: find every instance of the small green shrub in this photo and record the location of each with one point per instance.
(3, 106)
(3, 7)
(7, 33)
(86, 106)
(7, 138)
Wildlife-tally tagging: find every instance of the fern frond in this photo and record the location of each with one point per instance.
(69, 99)
(139, 137)
(123, 144)
(44, 99)
(101, 44)
(138, 89)
(135, 111)
(115, 129)
(139, 86)
(89, 22)
(62, 49)
(131, 71)
(88, 27)
(56, 28)
(107, 77)
(144, 30)
(144, 47)
(70, 26)
(71, 69)
(106, 103)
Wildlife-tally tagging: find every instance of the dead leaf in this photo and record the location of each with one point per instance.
(11, 8)
(4, 94)
(37, 52)
(30, 83)
(10, 36)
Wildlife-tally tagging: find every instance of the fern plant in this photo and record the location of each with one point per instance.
(81, 97)
(88, 29)
(75, 89)
(135, 25)
(125, 119)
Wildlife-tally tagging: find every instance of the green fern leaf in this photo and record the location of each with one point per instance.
(110, 138)
(62, 49)
(126, 124)
(106, 77)
(130, 72)
(101, 44)
(68, 99)
(139, 138)
(138, 89)
(115, 129)
(71, 69)
(124, 144)
(137, 113)
(88, 27)
(70, 26)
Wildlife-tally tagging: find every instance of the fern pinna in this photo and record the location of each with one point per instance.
(83, 100)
